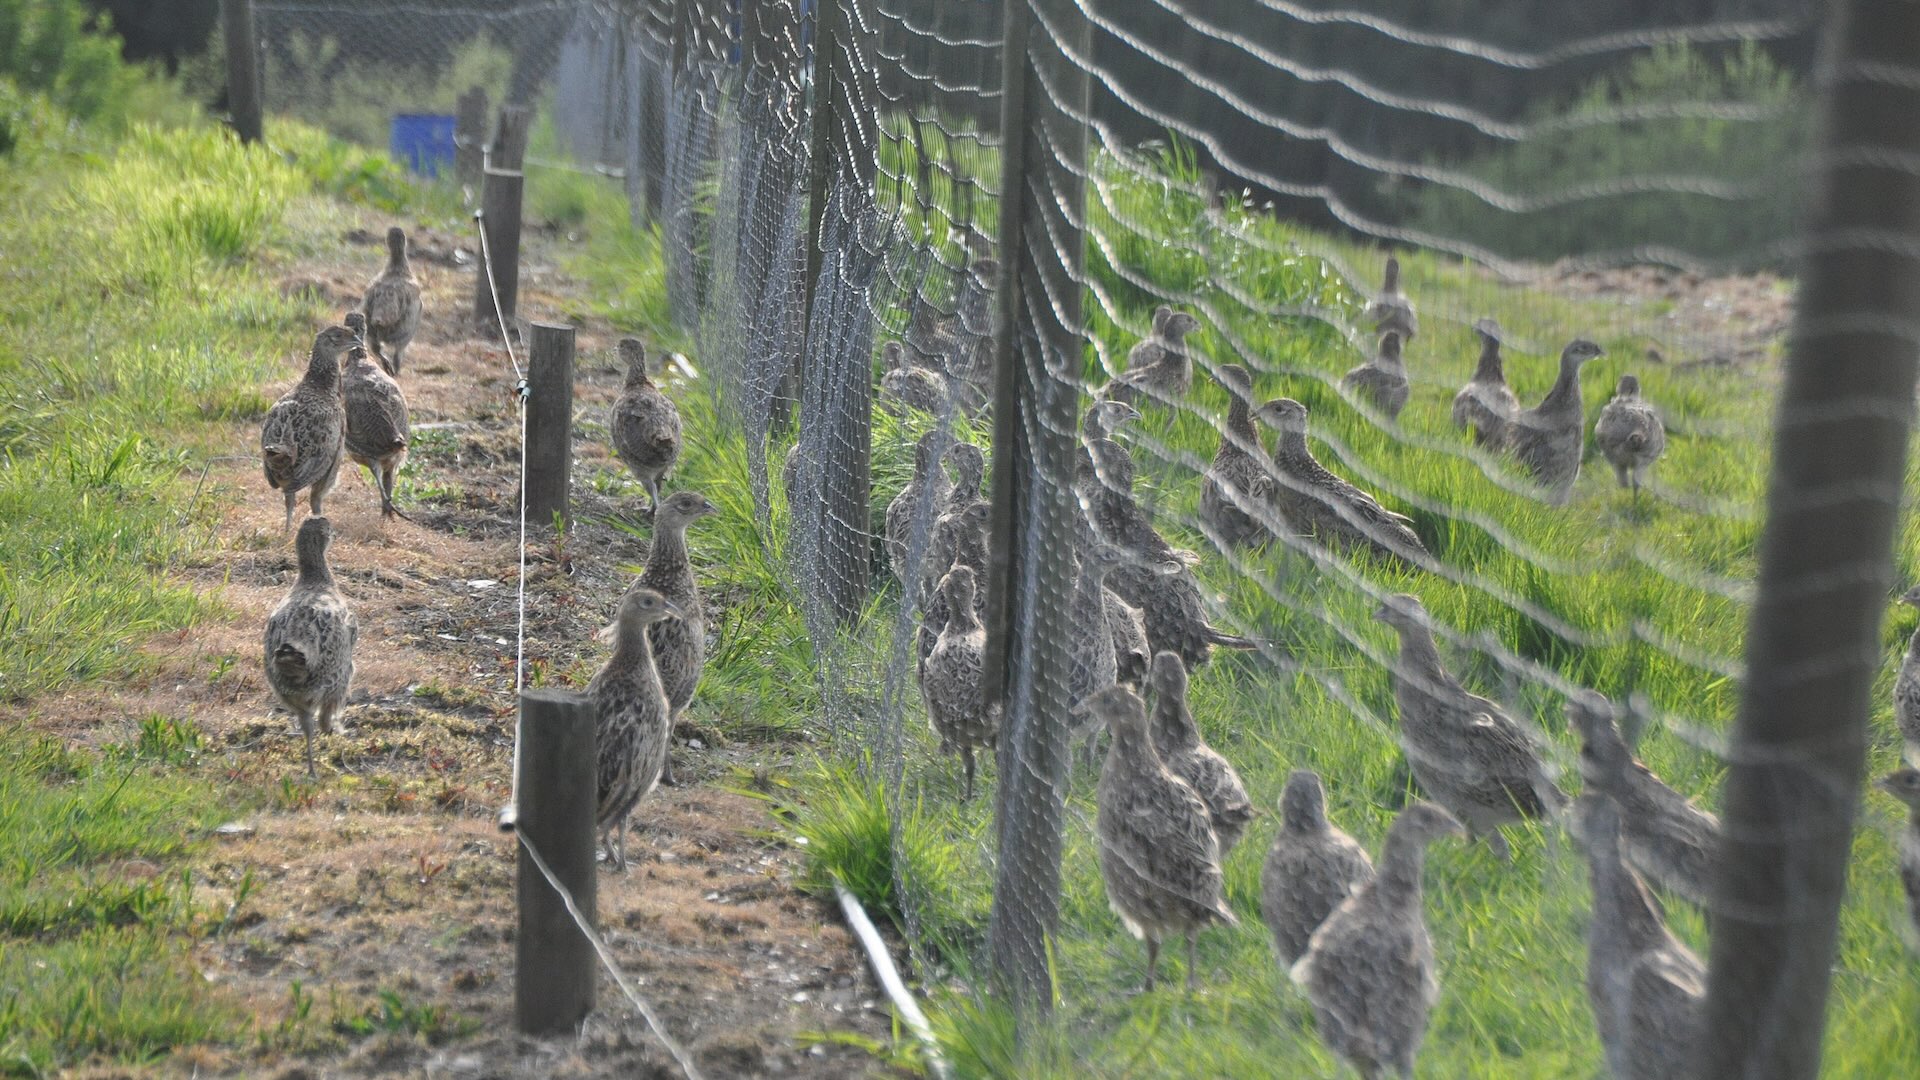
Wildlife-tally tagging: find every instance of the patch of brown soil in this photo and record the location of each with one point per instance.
(387, 875)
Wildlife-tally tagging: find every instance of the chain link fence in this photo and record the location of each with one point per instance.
(1359, 288)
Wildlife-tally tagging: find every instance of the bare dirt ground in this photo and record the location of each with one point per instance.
(387, 876)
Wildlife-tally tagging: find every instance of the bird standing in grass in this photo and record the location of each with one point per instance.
(392, 305)
(1383, 379)
(645, 424)
(1630, 434)
(1158, 366)
(1390, 309)
(1466, 752)
(1369, 968)
(679, 644)
(912, 512)
(1906, 687)
(1159, 857)
(301, 439)
(1177, 740)
(1548, 438)
(956, 705)
(633, 717)
(1309, 498)
(1311, 868)
(910, 386)
(1237, 482)
(1647, 989)
(1904, 784)
(376, 425)
(1486, 405)
(1663, 834)
(309, 640)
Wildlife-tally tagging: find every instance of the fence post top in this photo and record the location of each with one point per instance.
(557, 328)
(546, 696)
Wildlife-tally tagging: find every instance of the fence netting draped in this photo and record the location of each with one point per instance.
(1211, 196)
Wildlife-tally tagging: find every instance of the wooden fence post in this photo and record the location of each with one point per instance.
(555, 970)
(501, 191)
(1814, 637)
(243, 68)
(470, 135)
(549, 423)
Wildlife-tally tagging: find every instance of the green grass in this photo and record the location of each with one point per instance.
(1636, 600)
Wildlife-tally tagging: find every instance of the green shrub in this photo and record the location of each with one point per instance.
(1580, 149)
(58, 49)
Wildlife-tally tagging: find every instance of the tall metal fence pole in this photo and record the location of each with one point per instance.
(1813, 644)
(1038, 356)
(243, 68)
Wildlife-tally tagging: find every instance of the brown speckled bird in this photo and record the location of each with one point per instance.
(680, 643)
(376, 426)
(392, 305)
(1648, 991)
(1159, 857)
(1383, 379)
(1237, 484)
(633, 717)
(1159, 365)
(1548, 439)
(645, 424)
(1466, 752)
(1906, 687)
(301, 439)
(956, 704)
(1177, 739)
(1904, 784)
(1486, 405)
(1311, 868)
(1390, 309)
(1309, 498)
(909, 386)
(1663, 834)
(309, 640)
(1630, 434)
(1369, 969)
(911, 513)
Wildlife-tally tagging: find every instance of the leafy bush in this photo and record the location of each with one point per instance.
(57, 49)
(1584, 146)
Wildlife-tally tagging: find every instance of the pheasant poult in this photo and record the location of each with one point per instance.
(1311, 868)
(956, 705)
(1664, 835)
(376, 426)
(1391, 310)
(1158, 366)
(1159, 857)
(645, 424)
(301, 439)
(1906, 687)
(310, 638)
(392, 305)
(1548, 438)
(1177, 739)
(911, 514)
(1383, 379)
(1309, 498)
(1630, 434)
(1486, 405)
(680, 643)
(910, 386)
(1466, 752)
(1369, 968)
(1647, 990)
(633, 718)
(1155, 578)
(1237, 484)
(1904, 784)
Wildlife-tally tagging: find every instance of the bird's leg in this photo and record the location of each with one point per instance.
(617, 855)
(1498, 844)
(1153, 961)
(966, 755)
(288, 527)
(1193, 965)
(306, 729)
(666, 763)
(653, 495)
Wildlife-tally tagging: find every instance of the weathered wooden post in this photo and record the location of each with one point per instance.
(554, 971)
(470, 135)
(549, 423)
(501, 191)
(243, 68)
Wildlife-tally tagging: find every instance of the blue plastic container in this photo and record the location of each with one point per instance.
(422, 140)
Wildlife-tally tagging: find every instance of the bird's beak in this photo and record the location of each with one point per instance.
(708, 508)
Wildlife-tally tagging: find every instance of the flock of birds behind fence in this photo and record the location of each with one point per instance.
(1351, 932)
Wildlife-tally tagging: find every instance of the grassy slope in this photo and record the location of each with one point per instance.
(1600, 593)
(138, 300)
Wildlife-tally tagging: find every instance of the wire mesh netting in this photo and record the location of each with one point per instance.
(1385, 382)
